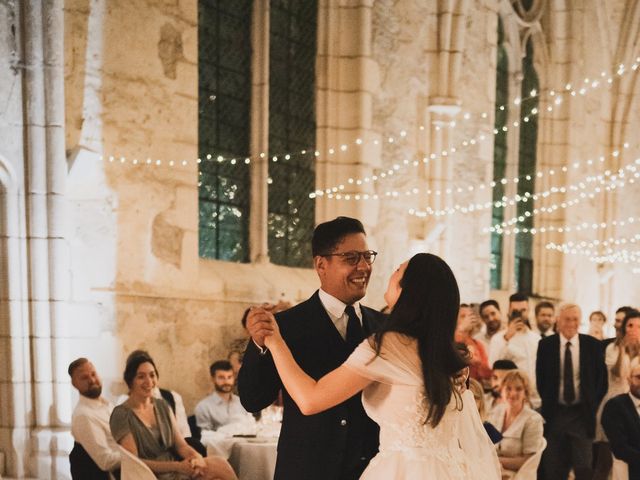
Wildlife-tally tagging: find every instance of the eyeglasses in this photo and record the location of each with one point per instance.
(353, 258)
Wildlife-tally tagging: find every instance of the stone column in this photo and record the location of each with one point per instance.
(48, 252)
(258, 220)
(346, 77)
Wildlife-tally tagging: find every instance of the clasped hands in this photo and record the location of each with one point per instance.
(194, 467)
(262, 325)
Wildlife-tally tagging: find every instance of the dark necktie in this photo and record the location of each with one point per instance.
(355, 334)
(569, 394)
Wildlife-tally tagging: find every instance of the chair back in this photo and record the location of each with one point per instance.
(132, 468)
(529, 469)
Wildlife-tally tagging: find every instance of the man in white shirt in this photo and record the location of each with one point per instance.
(222, 407)
(545, 318)
(491, 316)
(518, 342)
(90, 426)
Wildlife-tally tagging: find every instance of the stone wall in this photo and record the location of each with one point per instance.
(135, 279)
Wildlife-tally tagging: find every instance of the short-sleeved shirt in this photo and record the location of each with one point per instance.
(151, 445)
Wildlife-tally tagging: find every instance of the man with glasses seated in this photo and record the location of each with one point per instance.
(321, 333)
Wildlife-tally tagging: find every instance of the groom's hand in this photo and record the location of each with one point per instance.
(259, 324)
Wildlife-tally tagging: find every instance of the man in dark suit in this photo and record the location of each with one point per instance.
(621, 423)
(321, 333)
(572, 379)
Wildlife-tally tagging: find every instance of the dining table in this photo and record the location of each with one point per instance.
(251, 452)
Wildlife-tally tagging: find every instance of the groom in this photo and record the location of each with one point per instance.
(321, 333)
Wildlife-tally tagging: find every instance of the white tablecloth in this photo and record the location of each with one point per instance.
(251, 458)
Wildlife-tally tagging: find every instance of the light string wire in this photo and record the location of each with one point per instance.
(587, 85)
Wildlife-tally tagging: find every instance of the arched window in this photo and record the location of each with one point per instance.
(499, 155)
(526, 171)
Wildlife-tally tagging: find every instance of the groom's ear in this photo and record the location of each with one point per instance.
(320, 264)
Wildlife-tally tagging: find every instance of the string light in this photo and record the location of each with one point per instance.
(617, 180)
(608, 256)
(557, 100)
(584, 226)
(615, 184)
(359, 142)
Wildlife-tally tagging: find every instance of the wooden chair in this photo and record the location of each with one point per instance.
(132, 468)
(529, 469)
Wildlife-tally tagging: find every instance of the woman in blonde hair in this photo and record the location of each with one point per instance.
(521, 426)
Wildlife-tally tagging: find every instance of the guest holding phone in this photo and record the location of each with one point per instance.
(518, 343)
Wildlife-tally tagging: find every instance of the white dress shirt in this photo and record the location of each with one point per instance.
(336, 311)
(90, 428)
(575, 357)
(521, 349)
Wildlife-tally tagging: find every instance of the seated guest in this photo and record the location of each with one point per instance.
(500, 369)
(478, 396)
(478, 363)
(621, 422)
(146, 426)
(521, 426)
(222, 407)
(174, 399)
(95, 454)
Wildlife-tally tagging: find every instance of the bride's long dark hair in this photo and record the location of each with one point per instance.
(427, 310)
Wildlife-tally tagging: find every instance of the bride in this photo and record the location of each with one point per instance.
(428, 430)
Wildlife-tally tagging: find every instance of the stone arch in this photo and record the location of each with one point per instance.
(15, 384)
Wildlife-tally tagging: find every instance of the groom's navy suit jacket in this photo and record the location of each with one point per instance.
(335, 444)
(621, 423)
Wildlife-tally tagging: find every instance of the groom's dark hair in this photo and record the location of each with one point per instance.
(328, 235)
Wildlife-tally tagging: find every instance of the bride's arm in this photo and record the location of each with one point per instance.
(311, 396)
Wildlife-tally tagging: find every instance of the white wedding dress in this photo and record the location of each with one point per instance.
(458, 448)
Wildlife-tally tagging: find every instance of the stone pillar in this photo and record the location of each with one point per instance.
(258, 220)
(346, 77)
(442, 113)
(48, 252)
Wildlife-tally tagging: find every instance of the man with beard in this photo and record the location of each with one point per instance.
(492, 319)
(95, 453)
(321, 332)
(222, 407)
(545, 318)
